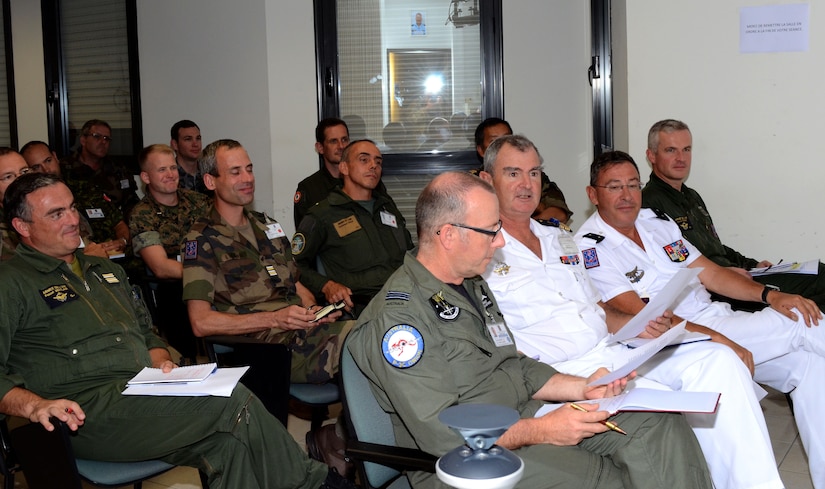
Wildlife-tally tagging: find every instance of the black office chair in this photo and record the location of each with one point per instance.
(269, 376)
(48, 462)
(371, 444)
(8, 462)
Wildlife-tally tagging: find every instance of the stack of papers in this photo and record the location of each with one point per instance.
(194, 380)
(810, 267)
(641, 399)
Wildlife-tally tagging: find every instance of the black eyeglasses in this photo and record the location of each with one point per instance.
(487, 232)
(99, 136)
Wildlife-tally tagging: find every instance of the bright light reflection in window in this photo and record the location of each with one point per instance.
(433, 84)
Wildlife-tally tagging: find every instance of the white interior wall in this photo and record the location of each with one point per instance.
(208, 61)
(754, 118)
(546, 94)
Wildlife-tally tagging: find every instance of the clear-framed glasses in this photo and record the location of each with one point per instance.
(489, 232)
(616, 188)
(99, 136)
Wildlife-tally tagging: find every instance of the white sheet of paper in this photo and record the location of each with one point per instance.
(641, 399)
(810, 267)
(221, 384)
(633, 357)
(657, 305)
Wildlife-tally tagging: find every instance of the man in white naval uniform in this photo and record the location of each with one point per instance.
(631, 255)
(555, 314)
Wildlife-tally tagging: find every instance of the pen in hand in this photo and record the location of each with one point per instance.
(613, 426)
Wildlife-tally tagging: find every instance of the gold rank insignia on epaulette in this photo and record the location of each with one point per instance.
(270, 269)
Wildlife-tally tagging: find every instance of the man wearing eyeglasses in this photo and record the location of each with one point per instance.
(557, 317)
(631, 253)
(434, 337)
(92, 175)
(358, 235)
(12, 165)
(670, 151)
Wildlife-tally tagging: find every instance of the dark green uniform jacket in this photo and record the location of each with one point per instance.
(356, 248)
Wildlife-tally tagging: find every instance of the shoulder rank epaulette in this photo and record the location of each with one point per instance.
(553, 222)
(595, 237)
(660, 214)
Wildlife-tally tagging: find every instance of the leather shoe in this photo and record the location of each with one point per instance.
(326, 446)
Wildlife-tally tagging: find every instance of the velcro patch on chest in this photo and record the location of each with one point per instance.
(346, 226)
(57, 295)
(677, 251)
(190, 250)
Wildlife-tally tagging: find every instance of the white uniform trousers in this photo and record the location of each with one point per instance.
(734, 439)
(790, 357)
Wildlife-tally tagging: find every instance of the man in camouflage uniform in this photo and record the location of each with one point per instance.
(104, 191)
(186, 141)
(239, 276)
(358, 236)
(78, 333)
(12, 165)
(158, 224)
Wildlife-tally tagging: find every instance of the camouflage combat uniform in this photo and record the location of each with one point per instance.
(95, 205)
(238, 277)
(152, 223)
(111, 182)
(8, 238)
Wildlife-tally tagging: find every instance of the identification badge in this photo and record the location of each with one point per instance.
(274, 230)
(124, 183)
(499, 334)
(568, 246)
(95, 213)
(389, 219)
(346, 226)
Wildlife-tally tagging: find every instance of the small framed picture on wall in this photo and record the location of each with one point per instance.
(418, 23)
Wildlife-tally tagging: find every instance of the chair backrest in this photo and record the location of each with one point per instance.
(368, 421)
(270, 366)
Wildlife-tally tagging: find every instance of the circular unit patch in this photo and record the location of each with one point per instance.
(402, 346)
(298, 243)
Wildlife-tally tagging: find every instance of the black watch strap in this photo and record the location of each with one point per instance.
(765, 290)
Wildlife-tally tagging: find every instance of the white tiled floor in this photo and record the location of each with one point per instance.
(793, 464)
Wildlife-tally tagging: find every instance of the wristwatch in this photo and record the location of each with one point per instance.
(768, 288)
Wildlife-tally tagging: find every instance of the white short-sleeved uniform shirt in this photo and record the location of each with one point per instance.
(617, 265)
(549, 303)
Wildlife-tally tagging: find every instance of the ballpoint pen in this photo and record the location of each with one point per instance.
(610, 424)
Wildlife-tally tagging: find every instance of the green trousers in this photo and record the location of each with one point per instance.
(234, 440)
(659, 452)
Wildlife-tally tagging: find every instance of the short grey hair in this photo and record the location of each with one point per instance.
(443, 201)
(517, 141)
(667, 126)
(208, 160)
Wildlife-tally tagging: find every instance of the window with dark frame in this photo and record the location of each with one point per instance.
(8, 113)
(418, 92)
(92, 72)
